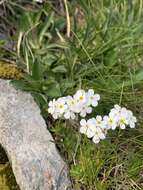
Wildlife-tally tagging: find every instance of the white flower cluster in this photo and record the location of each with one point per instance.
(92, 128)
(82, 103)
(96, 128)
(119, 117)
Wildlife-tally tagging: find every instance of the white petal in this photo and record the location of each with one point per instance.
(114, 126)
(90, 92)
(50, 110)
(73, 116)
(83, 122)
(67, 115)
(98, 118)
(105, 125)
(89, 110)
(101, 135)
(91, 121)
(97, 96)
(132, 125)
(117, 107)
(123, 126)
(105, 118)
(130, 112)
(134, 119)
(89, 133)
(55, 116)
(82, 114)
(50, 103)
(83, 130)
(94, 103)
(79, 93)
(96, 139)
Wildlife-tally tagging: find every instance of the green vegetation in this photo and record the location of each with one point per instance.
(68, 45)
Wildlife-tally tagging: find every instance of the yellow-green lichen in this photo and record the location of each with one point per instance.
(9, 71)
(7, 179)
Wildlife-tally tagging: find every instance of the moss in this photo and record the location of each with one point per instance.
(7, 179)
(10, 71)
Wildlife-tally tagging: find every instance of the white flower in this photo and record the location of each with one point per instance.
(69, 113)
(132, 119)
(61, 105)
(98, 121)
(52, 106)
(53, 109)
(87, 127)
(70, 102)
(73, 104)
(95, 128)
(99, 134)
(119, 115)
(80, 96)
(92, 98)
(109, 122)
(123, 118)
(85, 110)
(96, 139)
(114, 112)
(132, 122)
(56, 115)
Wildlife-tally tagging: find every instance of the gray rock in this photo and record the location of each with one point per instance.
(35, 160)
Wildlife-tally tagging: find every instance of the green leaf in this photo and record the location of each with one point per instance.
(40, 99)
(36, 71)
(26, 21)
(53, 90)
(21, 84)
(59, 69)
(46, 26)
(66, 84)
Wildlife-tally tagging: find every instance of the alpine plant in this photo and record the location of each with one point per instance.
(81, 104)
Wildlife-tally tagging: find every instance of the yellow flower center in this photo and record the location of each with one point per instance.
(61, 106)
(72, 102)
(110, 121)
(98, 122)
(81, 97)
(122, 121)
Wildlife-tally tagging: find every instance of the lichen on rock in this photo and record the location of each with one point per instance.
(10, 71)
